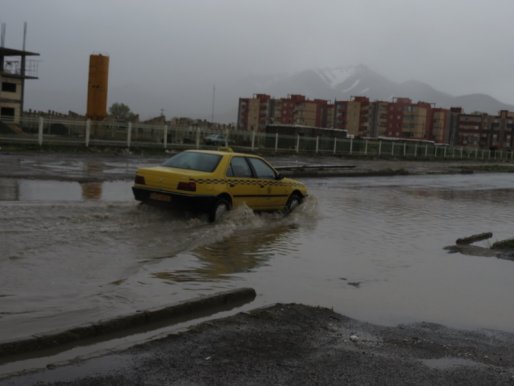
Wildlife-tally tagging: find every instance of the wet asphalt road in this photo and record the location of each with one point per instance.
(276, 346)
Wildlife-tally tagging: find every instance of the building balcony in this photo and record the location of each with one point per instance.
(14, 68)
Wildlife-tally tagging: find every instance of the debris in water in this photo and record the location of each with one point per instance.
(473, 238)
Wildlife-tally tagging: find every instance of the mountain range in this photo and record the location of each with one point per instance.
(342, 83)
(190, 97)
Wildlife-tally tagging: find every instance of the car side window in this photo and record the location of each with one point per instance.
(239, 168)
(262, 169)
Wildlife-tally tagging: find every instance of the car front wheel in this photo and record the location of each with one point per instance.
(220, 207)
(294, 201)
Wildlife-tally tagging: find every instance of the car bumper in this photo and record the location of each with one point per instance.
(188, 202)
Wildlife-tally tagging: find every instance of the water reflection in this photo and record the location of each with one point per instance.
(9, 189)
(91, 190)
(12, 189)
(372, 249)
(244, 252)
(491, 195)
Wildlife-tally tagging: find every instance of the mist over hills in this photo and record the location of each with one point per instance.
(196, 98)
(344, 82)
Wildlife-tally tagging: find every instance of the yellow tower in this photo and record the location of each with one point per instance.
(97, 87)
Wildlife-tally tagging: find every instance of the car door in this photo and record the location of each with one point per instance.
(241, 183)
(272, 193)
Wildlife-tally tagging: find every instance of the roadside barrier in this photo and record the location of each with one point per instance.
(129, 324)
(80, 133)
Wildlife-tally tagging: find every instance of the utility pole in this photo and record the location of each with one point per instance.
(213, 99)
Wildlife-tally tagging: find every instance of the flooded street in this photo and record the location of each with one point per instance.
(370, 248)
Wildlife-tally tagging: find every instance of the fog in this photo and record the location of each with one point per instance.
(170, 55)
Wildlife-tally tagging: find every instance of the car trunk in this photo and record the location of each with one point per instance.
(167, 178)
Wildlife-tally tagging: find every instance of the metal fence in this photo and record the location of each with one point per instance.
(46, 132)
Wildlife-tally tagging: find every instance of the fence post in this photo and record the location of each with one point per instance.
(426, 150)
(317, 144)
(416, 150)
(276, 142)
(165, 137)
(379, 148)
(404, 149)
(444, 154)
(476, 152)
(351, 145)
(365, 147)
(88, 132)
(392, 148)
(253, 139)
(129, 134)
(335, 144)
(297, 143)
(40, 131)
(461, 153)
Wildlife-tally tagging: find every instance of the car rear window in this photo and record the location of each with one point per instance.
(191, 160)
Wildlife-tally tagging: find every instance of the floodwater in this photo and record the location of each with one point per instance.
(370, 248)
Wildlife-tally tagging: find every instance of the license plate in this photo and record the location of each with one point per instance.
(160, 197)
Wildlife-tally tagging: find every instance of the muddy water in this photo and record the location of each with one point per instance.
(371, 248)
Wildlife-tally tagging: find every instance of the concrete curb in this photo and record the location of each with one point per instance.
(123, 325)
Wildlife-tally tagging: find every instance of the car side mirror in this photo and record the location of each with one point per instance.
(279, 176)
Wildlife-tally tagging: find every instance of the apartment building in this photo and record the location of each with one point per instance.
(440, 126)
(486, 131)
(400, 118)
(417, 121)
(502, 130)
(254, 113)
(262, 110)
(473, 130)
(379, 119)
(353, 116)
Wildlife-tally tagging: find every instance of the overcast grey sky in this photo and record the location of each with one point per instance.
(457, 46)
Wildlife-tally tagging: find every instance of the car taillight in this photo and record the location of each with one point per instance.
(189, 186)
(140, 180)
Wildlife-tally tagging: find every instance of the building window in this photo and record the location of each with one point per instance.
(7, 113)
(8, 87)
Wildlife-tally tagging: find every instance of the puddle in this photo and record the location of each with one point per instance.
(449, 362)
(52, 190)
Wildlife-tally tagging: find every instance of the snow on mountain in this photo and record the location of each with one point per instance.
(354, 84)
(345, 82)
(336, 76)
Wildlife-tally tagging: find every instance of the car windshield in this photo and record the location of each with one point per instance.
(194, 161)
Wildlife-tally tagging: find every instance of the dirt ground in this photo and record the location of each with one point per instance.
(296, 344)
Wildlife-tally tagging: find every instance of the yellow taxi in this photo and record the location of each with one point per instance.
(214, 181)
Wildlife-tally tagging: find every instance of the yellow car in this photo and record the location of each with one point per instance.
(216, 181)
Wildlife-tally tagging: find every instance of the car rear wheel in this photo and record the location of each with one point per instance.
(294, 201)
(220, 207)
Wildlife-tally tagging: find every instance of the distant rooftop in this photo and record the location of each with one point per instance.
(14, 52)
